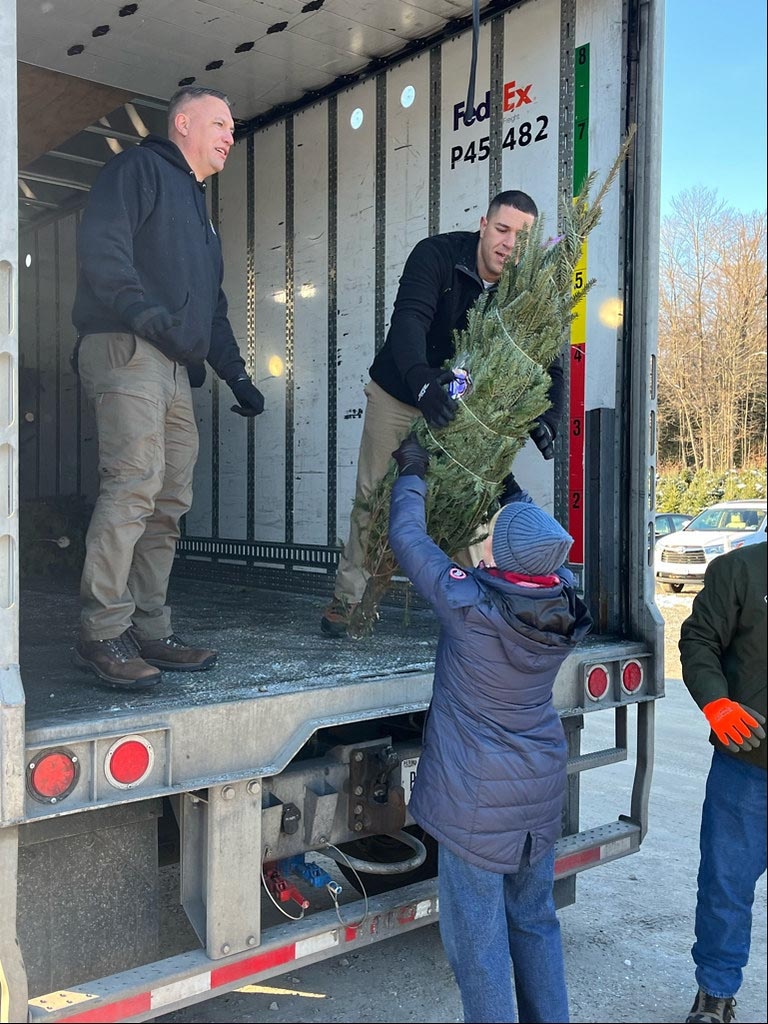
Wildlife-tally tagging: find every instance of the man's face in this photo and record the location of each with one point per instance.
(203, 132)
(497, 239)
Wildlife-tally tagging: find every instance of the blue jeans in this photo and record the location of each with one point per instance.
(486, 918)
(733, 851)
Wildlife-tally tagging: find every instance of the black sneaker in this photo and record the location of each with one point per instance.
(709, 1009)
(337, 616)
(117, 662)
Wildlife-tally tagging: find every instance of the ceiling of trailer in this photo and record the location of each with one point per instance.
(94, 75)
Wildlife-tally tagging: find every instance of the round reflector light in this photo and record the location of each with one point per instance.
(53, 775)
(631, 676)
(129, 761)
(597, 682)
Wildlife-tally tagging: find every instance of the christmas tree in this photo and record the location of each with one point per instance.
(512, 336)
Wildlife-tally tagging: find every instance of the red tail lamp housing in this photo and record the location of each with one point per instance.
(53, 775)
(128, 762)
(597, 682)
(632, 675)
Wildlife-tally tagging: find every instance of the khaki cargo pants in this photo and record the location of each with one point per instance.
(387, 421)
(148, 446)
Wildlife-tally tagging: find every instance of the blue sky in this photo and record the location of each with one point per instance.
(714, 119)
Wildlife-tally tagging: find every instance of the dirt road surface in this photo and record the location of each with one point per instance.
(627, 939)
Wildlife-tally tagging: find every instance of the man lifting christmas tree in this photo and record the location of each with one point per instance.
(442, 280)
(471, 365)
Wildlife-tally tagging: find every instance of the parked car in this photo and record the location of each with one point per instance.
(670, 522)
(682, 557)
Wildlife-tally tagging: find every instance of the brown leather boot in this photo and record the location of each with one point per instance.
(172, 653)
(117, 662)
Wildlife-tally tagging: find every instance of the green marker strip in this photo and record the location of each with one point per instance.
(581, 118)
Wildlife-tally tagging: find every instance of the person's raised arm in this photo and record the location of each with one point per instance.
(433, 574)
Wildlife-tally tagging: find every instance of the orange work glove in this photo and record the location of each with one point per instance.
(735, 725)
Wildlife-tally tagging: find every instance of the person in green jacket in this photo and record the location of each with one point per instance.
(723, 654)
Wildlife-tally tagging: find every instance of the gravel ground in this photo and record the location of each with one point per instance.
(627, 939)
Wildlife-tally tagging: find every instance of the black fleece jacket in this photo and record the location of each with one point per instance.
(146, 241)
(723, 640)
(438, 287)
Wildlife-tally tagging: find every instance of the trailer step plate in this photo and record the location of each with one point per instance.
(596, 846)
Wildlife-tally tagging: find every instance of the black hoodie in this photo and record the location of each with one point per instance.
(438, 287)
(146, 240)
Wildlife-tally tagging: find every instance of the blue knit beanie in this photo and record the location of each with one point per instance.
(527, 540)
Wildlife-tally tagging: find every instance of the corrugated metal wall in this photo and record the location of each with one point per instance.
(317, 214)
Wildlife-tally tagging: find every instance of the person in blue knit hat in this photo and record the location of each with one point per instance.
(491, 778)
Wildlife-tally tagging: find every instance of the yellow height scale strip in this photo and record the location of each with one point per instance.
(578, 345)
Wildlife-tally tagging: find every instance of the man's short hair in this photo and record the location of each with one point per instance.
(191, 92)
(517, 200)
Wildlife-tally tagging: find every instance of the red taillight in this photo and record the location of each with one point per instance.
(631, 676)
(129, 761)
(597, 682)
(53, 775)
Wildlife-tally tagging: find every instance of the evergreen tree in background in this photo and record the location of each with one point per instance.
(512, 336)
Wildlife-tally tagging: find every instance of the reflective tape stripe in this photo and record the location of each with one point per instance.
(113, 1012)
(614, 849)
(423, 909)
(165, 994)
(315, 942)
(572, 861)
(210, 980)
(252, 965)
(576, 860)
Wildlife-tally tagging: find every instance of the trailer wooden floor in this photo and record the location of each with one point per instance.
(267, 641)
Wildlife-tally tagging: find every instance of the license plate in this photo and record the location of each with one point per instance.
(408, 768)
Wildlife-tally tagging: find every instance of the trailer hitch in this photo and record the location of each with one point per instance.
(375, 804)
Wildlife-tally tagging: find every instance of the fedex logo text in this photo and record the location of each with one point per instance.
(513, 97)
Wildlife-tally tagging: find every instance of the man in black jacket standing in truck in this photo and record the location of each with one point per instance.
(149, 310)
(441, 281)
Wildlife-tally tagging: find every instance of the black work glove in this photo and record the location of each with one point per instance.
(411, 458)
(250, 400)
(435, 404)
(757, 734)
(511, 489)
(155, 324)
(543, 437)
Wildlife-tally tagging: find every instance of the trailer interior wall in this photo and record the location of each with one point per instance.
(317, 214)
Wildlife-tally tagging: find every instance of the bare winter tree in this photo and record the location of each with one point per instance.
(712, 334)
